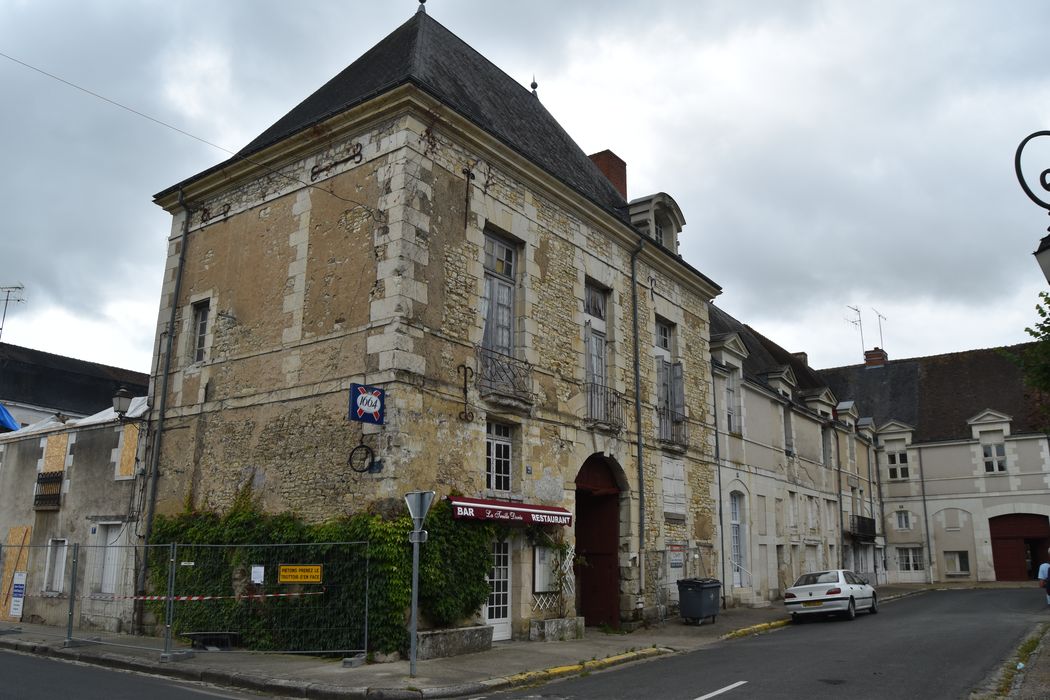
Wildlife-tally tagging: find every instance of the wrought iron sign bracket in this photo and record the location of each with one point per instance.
(466, 414)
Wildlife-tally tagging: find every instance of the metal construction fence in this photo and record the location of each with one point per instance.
(309, 598)
(678, 561)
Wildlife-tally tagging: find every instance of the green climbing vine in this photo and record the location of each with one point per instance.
(453, 566)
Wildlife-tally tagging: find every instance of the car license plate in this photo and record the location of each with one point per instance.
(811, 604)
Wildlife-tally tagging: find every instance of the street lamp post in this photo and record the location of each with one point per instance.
(1042, 253)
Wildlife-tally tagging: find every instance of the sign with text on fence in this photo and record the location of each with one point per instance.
(18, 594)
(299, 573)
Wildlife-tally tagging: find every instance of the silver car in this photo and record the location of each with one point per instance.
(837, 591)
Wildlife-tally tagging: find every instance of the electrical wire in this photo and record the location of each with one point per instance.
(372, 212)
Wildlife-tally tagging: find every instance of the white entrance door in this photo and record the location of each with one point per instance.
(497, 610)
(109, 536)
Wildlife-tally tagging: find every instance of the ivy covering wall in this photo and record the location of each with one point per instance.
(454, 563)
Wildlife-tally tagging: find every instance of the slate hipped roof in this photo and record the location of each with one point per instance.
(426, 54)
(61, 383)
(937, 395)
(764, 355)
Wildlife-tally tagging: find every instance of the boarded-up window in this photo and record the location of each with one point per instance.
(674, 487)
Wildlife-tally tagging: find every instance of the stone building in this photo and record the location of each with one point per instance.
(964, 461)
(794, 468)
(77, 482)
(422, 233)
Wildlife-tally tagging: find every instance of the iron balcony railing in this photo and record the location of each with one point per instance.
(48, 491)
(605, 405)
(503, 375)
(673, 428)
(862, 528)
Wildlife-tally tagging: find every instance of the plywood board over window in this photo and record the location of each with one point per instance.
(55, 452)
(16, 558)
(128, 452)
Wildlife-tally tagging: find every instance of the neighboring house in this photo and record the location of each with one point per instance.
(70, 483)
(797, 490)
(964, 459)
(36, 385)
(423, 226)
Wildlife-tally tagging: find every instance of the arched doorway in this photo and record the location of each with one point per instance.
(1019, 542)
(597, 542)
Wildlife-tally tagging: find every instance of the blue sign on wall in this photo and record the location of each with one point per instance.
(367, 404)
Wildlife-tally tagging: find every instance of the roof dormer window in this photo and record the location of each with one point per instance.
(658, 217)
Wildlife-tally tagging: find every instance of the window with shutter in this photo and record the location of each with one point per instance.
(674, 487)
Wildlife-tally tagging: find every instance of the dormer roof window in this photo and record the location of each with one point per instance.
(659, 218)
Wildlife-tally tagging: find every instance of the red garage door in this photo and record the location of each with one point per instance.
(1019, 542)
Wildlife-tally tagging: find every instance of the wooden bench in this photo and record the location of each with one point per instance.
(211, 641)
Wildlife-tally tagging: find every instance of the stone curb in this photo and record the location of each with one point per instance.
(756, 629)
(549, 674)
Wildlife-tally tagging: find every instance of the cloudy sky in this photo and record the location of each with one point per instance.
(825, 154)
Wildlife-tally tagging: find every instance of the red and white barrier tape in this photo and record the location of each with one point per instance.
(200, 597)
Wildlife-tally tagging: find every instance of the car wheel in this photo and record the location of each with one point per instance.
(874, 604)
(851, 610)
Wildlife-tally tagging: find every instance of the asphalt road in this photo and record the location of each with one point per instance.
(28, 677)
(941, 644)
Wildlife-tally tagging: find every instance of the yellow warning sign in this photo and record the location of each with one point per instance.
(299, 573)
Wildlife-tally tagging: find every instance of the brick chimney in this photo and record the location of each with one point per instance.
(613, 168)
(876, 357)
(801, 357)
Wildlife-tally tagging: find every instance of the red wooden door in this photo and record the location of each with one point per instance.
(597, 542)
(1013, 539)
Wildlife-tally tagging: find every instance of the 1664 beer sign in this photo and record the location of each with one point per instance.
(367, 404)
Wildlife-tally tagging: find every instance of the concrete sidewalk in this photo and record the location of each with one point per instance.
(507, 664)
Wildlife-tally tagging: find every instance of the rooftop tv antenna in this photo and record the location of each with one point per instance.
(881, 319)
(858, 324)
(10, 293)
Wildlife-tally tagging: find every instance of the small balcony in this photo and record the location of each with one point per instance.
(48, 491)
(672, 427)
(502, 377)
(862, 528)
(605, 407)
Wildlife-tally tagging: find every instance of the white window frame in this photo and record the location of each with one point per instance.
(502, 263)
(663, 338)
(903, 520)
(789, 433)
(674, 487)
(910, 559)
(994, 457)
(499, 457)
(544, 569)
(199, 330)
(106, 558)
(897, 464)
(732, 424)
(954, 560)
(57, 547)
(595, 301)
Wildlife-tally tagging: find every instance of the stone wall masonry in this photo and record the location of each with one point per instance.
(387, 288)
(554, 290)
